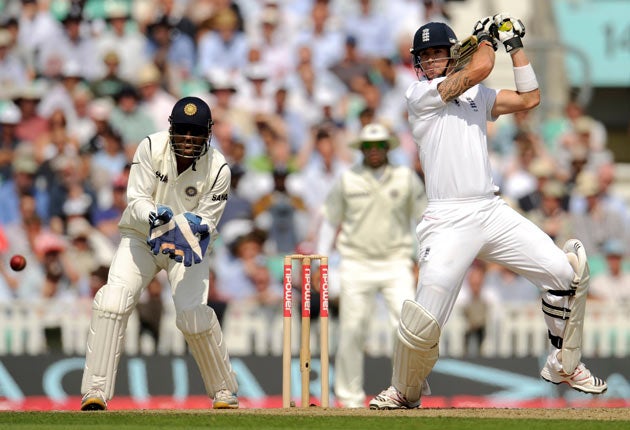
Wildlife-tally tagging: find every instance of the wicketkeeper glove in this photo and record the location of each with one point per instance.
(486, 30)
(162, 215)
(510, 31)
(184, 238)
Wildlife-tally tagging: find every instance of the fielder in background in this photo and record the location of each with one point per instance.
(178, 188)
(465, 219)
(375, 206)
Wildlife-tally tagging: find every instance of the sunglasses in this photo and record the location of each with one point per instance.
(374, 145)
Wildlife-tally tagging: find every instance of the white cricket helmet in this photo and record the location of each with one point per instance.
(375, 132)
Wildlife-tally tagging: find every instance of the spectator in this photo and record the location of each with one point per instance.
(32, 125)
(323, 36)
(111, 82)
(272, 42)
(130, 119)
(173, 52)
(599, 222)
(550, 216)
(224, 92)
(88, 248)
(297, 128)
(476, 309)
(282, 214)
(60, 96)
(518, 181)
(224, 46)
(106, 218)
(122, 42)
(236, 260)
(371, 32)
(74, 44)
(37, 26)
(612, 286)
(70, 194)
(13, 73)
(154, 99)
(544, 170)
(9, 118)
(22, 182)
(150, 308)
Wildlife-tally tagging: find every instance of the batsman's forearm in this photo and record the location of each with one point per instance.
(519, 58)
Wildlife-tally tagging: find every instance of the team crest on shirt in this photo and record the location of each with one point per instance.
(191, 191)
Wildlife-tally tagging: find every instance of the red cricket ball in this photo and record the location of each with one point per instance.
(18, 262)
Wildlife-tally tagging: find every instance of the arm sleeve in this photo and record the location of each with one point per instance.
(142, 183)
(423, 97)
(212, 204)
(326, 238)
(489, 97)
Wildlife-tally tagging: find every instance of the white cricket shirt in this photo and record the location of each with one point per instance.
(376, 215)
(451, 140)
(153, 180)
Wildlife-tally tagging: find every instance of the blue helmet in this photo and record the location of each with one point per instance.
(431, 35)
(190, 116)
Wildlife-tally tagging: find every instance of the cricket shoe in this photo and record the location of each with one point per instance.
(581, 379)
(225, 399)
(391, 398)
(94, 400)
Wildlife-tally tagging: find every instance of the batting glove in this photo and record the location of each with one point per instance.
(486, 30)
(510, 31)
(161, 215)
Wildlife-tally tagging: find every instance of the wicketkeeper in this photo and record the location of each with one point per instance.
(178, 188)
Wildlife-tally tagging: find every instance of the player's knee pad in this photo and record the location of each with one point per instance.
(416, 349)
(571, 340)
(111, 308)
(202, 332)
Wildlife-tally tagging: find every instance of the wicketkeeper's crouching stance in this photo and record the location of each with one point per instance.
(465, 219)
(177, 191)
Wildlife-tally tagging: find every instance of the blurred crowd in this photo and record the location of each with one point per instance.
(290, 84)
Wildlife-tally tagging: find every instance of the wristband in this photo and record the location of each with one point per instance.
(525, 79)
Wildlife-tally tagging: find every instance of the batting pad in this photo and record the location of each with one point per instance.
(572, 338)
(202, 332)
(416, 349)
(111, 308)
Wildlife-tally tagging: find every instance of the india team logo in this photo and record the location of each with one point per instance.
(190, 109)
(191, 191)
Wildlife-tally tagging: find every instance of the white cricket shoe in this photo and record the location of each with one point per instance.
(94, 400)
(391, 398)
(581, 379)
(225, 399)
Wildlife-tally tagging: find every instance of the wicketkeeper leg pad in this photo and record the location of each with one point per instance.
(202, 332)
(416, 349)
(111, 308)
(572, 338)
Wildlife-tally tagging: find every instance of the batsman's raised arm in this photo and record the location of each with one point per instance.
(479, 66)
(510, 31)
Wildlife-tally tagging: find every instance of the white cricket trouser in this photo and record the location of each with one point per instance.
(452, 234)
(134, 266)
(360, 283)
